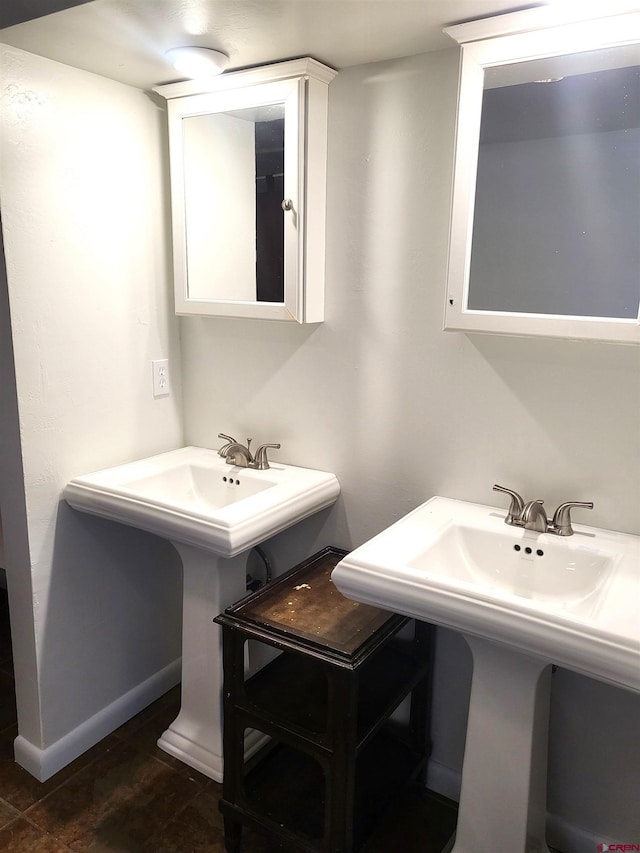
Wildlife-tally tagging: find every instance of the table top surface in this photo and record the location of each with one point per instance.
(305, 604)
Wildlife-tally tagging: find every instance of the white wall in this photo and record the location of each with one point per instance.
(86, 234)
(401, 411)
(13, 518)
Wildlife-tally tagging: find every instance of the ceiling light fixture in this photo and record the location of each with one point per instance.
(197, 61)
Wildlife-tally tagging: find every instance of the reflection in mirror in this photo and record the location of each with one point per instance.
(557, 205)
(269, 218)
(233, 190)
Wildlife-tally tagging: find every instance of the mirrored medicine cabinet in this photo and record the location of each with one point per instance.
(545, 222)
(247, 153)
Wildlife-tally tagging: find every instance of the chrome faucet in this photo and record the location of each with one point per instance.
(240, 454)
(533, 516)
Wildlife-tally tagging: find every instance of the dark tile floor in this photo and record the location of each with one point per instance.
(125, 795)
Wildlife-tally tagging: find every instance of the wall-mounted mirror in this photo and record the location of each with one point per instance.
(545, 237)
(248, 166)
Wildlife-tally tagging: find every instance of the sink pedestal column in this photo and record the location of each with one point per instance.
(210, 584)
(504, 777)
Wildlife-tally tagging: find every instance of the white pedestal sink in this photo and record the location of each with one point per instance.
(504, 778)
(213, 513)
(210, 584)
(523, 601)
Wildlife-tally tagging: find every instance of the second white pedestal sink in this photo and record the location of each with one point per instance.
(213, 513)
(524, 601)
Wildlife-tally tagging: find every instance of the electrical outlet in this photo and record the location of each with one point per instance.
(161, 384)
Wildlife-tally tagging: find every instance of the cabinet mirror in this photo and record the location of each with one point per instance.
(248, 164)
(546, 202)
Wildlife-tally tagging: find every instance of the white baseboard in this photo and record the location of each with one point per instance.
(444, 780)
(570, 838)
(561, 835)
(44, 762)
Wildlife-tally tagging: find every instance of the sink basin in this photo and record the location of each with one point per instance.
(200, 488)
(213, 513)
(574, 600)
(514, 563)
(192, 496)
(523, 601)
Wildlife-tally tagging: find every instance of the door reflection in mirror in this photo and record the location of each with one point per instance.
(269, 218)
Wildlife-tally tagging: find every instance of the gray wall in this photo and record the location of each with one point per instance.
(577, 198)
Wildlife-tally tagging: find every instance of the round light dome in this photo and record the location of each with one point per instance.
(197, 61)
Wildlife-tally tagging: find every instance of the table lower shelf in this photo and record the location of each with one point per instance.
(285, 790)
(291, 692)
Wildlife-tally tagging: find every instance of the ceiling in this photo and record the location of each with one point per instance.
(126, 39)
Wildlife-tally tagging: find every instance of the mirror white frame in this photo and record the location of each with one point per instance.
(515, 38)
(301, 87)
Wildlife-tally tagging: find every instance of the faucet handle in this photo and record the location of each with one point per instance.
(516, 507)
(561, 523)
(229, 439)
(260, 459)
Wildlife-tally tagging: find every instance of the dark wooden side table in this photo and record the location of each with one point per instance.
(334, 757)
